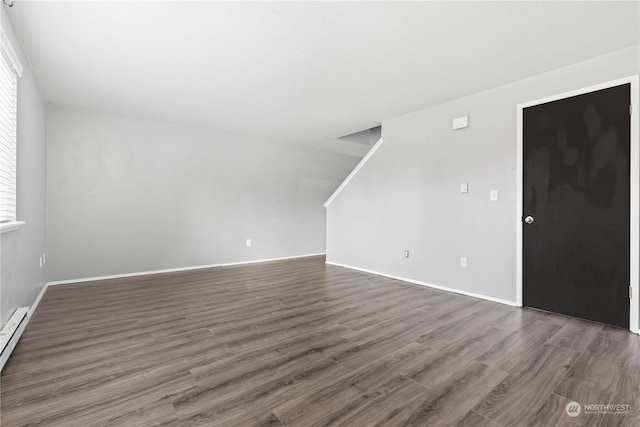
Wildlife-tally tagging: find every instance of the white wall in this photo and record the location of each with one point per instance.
(129, 196)
(407, 196)
(22, 279)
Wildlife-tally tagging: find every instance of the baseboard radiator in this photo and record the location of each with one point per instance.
(11, 332)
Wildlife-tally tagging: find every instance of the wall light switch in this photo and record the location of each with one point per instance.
(406, 254)
(460, 122)
(464, 187)
(248, 242)
(493, 195)
(463, 262)
(40, 262)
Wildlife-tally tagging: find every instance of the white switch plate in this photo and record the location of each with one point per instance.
(406, 254)
(248, 242)
(44, 258)
(40, 262)
(463, 262)
(493, 195)
(464, 187)
(460, 122)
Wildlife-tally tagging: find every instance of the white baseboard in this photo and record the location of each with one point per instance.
(430, 285)
(33, 307)
(173, 270)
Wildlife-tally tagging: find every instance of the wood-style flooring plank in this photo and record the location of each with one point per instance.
(473, 419)
(591, 379)
(527, 386)
(626, 392)
(553, 413)
(576, 334)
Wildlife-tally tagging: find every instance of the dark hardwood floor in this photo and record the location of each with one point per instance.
(298, 343)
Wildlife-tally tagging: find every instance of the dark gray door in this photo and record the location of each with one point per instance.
(576, 203)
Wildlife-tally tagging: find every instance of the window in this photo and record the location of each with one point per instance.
(9, 72)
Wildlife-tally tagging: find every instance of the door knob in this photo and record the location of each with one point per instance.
(529, 219)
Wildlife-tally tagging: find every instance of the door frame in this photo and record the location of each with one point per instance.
(634, 212)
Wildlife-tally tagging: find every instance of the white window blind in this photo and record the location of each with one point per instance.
(8, 117)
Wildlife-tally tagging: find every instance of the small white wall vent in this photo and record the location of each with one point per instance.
(460, 122)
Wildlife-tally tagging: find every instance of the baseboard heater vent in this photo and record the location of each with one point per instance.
(11, 332)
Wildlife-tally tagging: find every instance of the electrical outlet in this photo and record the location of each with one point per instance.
(406, 254)
(248, 242)
(463, 262)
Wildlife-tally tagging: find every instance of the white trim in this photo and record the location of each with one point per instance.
(634, 276)
(12, 331)
(173, 270)
(11, 54)
(519, 199)
(10, 226)
(35, 304)
(430, 285)
(634, 321)
(353, 173)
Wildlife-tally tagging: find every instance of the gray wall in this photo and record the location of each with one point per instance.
(22, 279)
(129, 196)
(407, 196)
